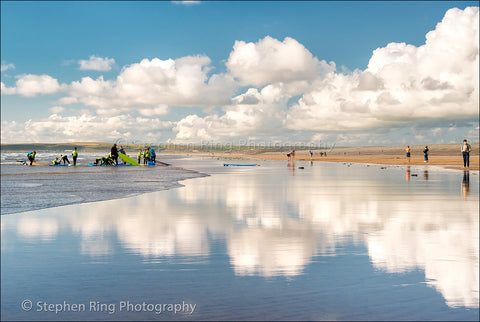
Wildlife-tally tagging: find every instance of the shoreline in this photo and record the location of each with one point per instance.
(53, 189)
(444, 155)
(448, 162)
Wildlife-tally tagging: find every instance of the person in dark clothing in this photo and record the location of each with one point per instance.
(122, 151)
(466, 148)
(75, 155)
(152, 154)
(114, 153)
(425, 154)
(64, 158)
(31, 156)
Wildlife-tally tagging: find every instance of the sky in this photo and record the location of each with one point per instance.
(312, 73)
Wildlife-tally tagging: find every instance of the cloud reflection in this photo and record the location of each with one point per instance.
(274, 224)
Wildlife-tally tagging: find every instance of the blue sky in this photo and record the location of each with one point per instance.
(51, 38)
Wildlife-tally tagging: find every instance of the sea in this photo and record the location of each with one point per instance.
(198, 240)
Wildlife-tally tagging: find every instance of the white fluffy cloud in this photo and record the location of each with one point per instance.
(151, 83)
(85, 127)
(33, 85)
(6, 66)
(278, 90)
(7, 90)
(272, 61)
(56, 109)
(186, 2)
(251, 115)
(97, 63)
(402, 83)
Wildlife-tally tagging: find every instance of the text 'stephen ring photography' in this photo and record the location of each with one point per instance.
(240, 160)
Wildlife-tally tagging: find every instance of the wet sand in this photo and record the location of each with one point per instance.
(445, 155)
(329, 242)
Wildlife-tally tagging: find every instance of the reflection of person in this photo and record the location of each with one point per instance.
(291, 166)
(114, 153)
(407, 150)
(74, 156)
(466, 184)
(466, 148)
(425, 175)
(425, 154)
(407, 173)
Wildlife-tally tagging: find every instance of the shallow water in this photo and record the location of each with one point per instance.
(327, 242)
(26, 188)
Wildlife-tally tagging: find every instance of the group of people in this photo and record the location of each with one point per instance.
(64, 158)
(322, 154)
(106, 160)
(465, 149)
(148, 154)
(112, 157)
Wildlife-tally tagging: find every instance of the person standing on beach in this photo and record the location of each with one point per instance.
(31, 156)
(311, 154)
(74, 156)
(139, 155)
(146, 156)
(408, 153)
(114, 153)
(425, 154)
(152, 154)
(122, 151)
(466, 148)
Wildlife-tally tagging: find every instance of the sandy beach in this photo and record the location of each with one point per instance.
(445, 155)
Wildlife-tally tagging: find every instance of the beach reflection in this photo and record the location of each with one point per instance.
(466, 184)
(274, 224)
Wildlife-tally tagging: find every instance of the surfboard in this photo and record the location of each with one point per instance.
(127, 159)
(111, 165)
(163, 163)
(239, 165)
(59, 165)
